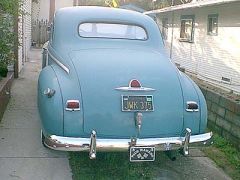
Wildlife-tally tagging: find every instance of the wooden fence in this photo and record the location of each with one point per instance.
(40, 32)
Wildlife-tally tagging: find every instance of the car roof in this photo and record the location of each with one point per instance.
(67, 21)
(87, 13)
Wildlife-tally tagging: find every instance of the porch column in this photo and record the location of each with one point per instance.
(51, 10)
(82, 2)
(74, 2)
(16, 26)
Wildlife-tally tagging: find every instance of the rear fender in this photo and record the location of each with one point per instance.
(191, 92)
(70, 90)
(50, 108)
(203, 105)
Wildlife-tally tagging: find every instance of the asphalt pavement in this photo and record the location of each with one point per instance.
(22, 155)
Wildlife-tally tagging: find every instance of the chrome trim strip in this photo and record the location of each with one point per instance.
(190, 110)
(134, 89)
(129, 88)
(47, 58)
(161, 144)
(59, 63)
(46, 49)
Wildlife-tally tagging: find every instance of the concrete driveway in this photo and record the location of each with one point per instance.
(22, 155)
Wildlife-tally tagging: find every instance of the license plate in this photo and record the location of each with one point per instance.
(142, 154)
(137, 103)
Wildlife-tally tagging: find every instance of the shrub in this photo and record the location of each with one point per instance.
(3, 70)
(8, 11)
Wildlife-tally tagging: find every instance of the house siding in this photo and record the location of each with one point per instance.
(210, 57)
(24, 33)
(41, 9)
(63, 3)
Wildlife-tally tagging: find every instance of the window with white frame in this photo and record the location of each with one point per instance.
(112, 31)
(165, 28)
(212, 24)
(187, 28)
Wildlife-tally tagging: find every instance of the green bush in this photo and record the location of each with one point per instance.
(8, 38)
(3, 70)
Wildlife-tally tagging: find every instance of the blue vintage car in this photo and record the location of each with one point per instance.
(107, 85)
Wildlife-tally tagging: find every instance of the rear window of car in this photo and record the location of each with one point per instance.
(113, 31)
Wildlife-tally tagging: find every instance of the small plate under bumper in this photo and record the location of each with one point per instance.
(142, 154)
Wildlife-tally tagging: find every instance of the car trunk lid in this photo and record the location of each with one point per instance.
(103, 72)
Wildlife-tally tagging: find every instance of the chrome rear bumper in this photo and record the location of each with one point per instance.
(93, 144)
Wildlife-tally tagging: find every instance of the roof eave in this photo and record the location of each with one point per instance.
(196, 4)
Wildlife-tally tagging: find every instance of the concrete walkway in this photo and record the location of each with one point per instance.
(22, 155)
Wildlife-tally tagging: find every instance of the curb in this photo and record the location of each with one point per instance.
(5, 92)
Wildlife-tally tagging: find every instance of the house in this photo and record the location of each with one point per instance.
(45, 9)
(136, 8)
(133, 8)
(24, 35)
(42, 16)
(204, 38)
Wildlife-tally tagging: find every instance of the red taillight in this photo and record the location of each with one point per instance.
(134, 83)
(72, 105)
